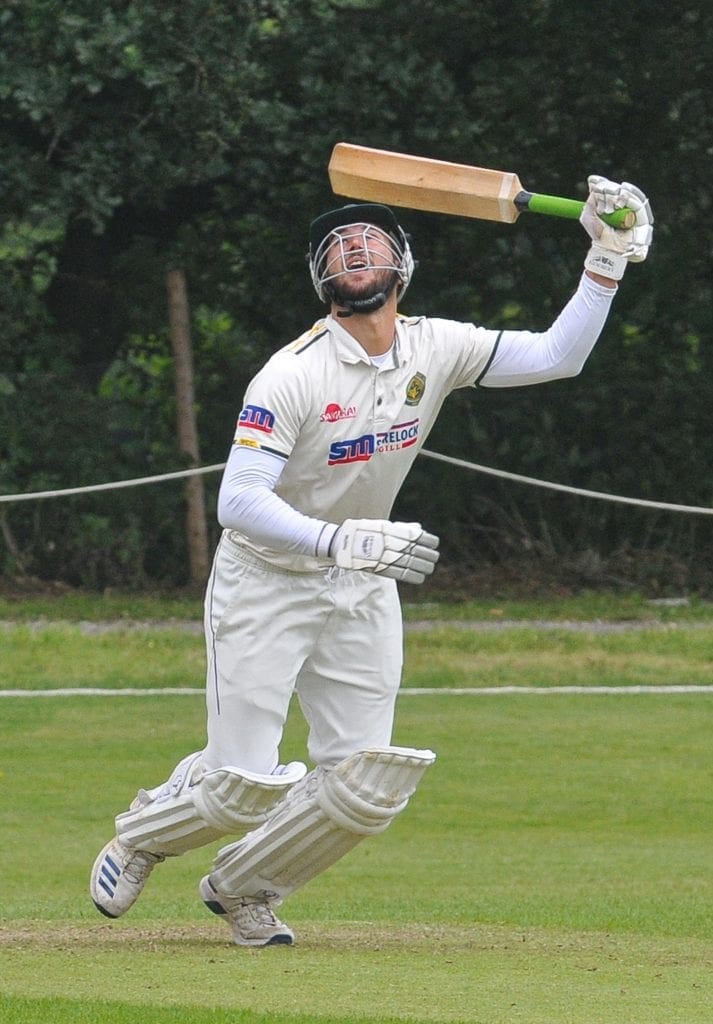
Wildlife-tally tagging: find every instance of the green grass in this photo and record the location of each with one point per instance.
(555, 866)
(584, 606)
(525, 656)
(427, 602)
(63, 654)
(96, 607)
(49, 655)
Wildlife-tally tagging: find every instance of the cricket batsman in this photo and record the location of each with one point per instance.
(302, 598)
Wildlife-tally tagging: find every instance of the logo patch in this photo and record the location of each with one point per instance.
(358, 449)
(334, 412)
(361, 449)
(401, 435)
(257, 418)
(415, 389)
(367, 545)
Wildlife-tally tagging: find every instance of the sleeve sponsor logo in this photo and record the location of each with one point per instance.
(256, 418)
(361, 449)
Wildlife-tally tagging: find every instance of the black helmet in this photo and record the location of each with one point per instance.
(365, 214)
(353, 213)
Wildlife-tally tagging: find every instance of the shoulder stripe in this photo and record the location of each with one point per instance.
(490, 360)
(299, 349)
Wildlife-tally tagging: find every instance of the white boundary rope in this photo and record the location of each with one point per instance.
(114, 485)
(475, 691)
(642, 502)
(503, 474)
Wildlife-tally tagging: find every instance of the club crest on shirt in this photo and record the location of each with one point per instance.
(334, 412)
(415, 389)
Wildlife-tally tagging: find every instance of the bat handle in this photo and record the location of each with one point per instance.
(554, 206)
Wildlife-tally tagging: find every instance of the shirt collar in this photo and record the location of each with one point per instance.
(350, 351)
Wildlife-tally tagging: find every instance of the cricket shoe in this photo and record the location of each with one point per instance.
(118, 876)
(252, 920)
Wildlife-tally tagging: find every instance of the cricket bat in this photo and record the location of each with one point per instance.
(420, 183)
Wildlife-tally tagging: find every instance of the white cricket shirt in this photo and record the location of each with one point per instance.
(349, 431)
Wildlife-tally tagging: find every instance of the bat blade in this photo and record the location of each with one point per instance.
(420, 183)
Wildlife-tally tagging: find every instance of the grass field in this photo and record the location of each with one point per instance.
(555, 866)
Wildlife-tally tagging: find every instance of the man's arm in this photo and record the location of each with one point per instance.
(528, 357)
(606, 282)
(524, 357)
(247, 502)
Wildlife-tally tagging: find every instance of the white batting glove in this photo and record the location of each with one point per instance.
(613, 248)
(403, 551)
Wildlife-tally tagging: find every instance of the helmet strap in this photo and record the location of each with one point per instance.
(368, 305)
(362, 305)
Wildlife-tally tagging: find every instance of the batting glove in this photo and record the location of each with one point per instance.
(403, 551)
(613, 248)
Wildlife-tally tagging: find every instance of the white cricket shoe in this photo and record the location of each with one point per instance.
(252, 920)
(118, 876)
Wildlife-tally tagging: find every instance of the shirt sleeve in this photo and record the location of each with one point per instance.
(275, 406)
(247, 502)
(527, 357)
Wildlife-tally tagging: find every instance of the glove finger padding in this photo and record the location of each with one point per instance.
(607, 196)
(402, 551)
(612, 248)
(410, 563)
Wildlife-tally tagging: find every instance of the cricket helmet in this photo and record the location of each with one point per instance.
(363, 217)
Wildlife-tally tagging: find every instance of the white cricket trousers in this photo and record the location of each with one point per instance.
(333, 638)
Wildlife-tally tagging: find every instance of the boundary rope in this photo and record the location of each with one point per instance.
(114, 485)
(476, 691)
(501, 473)
(533, 482)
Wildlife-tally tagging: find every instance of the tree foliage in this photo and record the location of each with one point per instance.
(137, 137)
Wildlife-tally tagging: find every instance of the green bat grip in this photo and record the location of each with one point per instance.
(554, 206)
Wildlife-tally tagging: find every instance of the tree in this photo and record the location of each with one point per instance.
(186, 427)
(141, 137)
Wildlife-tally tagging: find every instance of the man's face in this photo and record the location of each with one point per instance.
(360, 260)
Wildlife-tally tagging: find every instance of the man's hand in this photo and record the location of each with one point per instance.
(403, 551)
(613, 248)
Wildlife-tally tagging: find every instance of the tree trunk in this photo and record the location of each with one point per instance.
(180, 330)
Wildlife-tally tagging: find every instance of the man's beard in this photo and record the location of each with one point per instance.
(344, 292)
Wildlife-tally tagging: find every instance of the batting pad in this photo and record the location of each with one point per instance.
(322, 818)
(195, 806)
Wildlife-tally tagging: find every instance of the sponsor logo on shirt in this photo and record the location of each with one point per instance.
(361, 449)
(257, 418)
(357, 449)
(401, 435)
(334, 412)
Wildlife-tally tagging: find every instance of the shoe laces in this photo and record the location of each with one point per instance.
(261, 912)
(140, 864)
